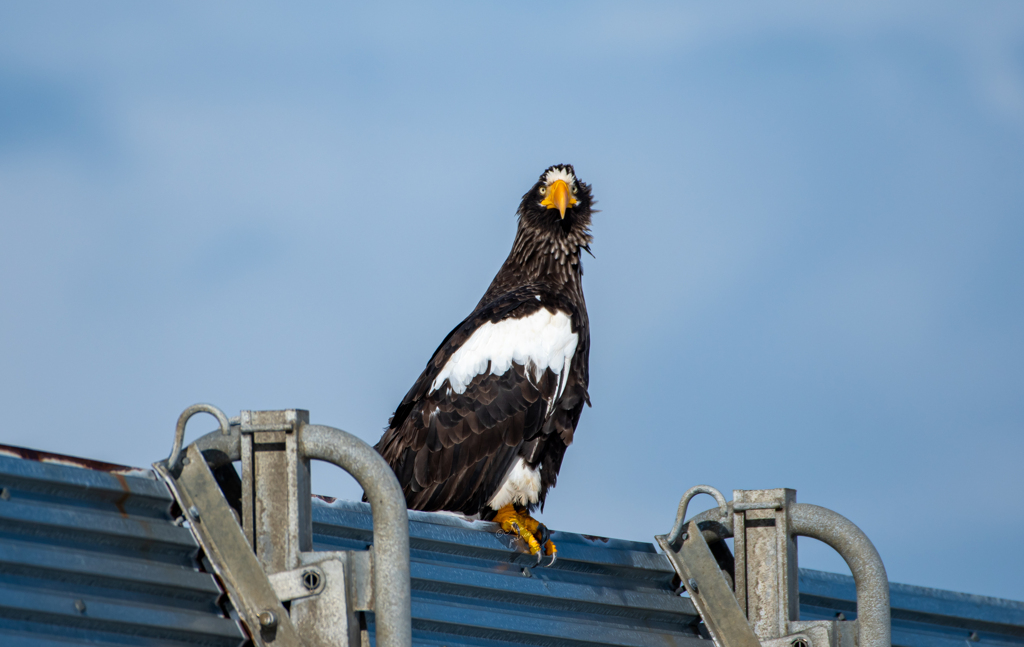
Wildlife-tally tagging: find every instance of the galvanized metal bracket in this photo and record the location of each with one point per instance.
(214, 526)
(285, 593)
(299, 583)
(708, 589)
(763, 606)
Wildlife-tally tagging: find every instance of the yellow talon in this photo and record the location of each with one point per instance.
(549, 549)
(523, 526)
(531, 541)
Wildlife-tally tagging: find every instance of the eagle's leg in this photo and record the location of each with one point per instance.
(518, 524)
(521, 524)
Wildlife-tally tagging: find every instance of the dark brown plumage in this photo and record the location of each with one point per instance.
(499, 400)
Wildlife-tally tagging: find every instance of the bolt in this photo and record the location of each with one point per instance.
(268, 620)
(80, 606)
(194, 511)
(685, 536)
(840, 616)
(186, 460)
(693, 585)
(526, 572)
(974, 637)
(311, 580)
(799, 642)
(5, 494)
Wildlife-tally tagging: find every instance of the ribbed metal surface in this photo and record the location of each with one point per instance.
(469, 588)
(92, 556)
(920, 616)
(472, 587)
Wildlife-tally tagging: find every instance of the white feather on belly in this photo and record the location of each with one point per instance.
(521, 485)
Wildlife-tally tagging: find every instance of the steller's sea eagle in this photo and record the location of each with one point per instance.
(483, 430)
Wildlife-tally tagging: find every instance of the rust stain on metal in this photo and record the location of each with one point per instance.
(124, 497)
(326, 499)
(72, 461)
(595, 538)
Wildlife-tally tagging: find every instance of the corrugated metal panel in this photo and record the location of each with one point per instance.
(92, 556)
(102, 537)
(469, 589)
(920, 616)
(472, 587)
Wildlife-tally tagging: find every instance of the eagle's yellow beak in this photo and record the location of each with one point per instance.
(558, 197)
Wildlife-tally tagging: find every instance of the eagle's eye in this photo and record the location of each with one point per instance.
(543, 190)
(574, 188)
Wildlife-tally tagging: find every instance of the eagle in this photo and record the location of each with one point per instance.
(483, 430)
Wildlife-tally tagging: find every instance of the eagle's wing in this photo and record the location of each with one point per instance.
(506, 383)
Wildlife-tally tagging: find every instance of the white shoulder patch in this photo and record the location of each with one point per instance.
(559, 173)
(539, 341)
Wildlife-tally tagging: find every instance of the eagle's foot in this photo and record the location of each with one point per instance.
(519, 524)
(534, 533)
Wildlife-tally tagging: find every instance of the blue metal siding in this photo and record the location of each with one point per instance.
(920, 616)
(93, 557)
(469, 589)
(471, 585)
(90, 554)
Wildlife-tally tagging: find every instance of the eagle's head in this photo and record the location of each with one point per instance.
(559, 201)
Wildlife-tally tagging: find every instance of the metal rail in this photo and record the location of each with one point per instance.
(873, 614)
(391, 583)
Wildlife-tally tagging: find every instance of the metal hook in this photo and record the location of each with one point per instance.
(677, 529)
(179, 432)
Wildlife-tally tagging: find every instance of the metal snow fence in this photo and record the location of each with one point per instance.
(90, 554)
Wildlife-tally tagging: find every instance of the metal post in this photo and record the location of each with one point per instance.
(276, 512)
(766, 560)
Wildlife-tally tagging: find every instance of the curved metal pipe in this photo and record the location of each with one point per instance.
(179, 431)
(873, 618)
(391, 584)
(716, 526)
(219, 448)
(677, 528)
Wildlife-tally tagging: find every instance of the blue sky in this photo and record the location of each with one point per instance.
(808, 264)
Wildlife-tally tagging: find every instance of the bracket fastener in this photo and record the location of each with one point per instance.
(268, 620)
